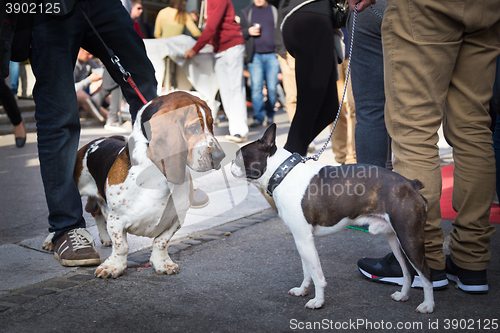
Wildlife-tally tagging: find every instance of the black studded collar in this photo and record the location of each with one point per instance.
(282, 171)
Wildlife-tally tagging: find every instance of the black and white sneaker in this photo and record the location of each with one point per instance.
(472, 282)
(388, 270)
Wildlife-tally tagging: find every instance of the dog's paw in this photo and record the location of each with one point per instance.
(298, 291)
(110, 269)
(425, 308)
(315, 303)
(47, 243)
(399, 297)
(105, 242)
(167, 268)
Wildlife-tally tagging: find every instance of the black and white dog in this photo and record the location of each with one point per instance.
(317, 200)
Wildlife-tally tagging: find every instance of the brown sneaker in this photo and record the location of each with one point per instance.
(76, 248)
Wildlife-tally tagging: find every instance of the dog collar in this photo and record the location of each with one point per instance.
(282, 171)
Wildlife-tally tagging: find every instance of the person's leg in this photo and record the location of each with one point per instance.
(351, 125)
(24, 80)
(14, 76)
(256, 69)
(309, 37)
(229, 71)
(339, 135)
(114, 107)
(55, 45)
(418, 66)
(330, 105)
(287, 66)
(272, 68)
(9, 104)
(108, 84)
(367, 78)
(495, 107)
(467, 130)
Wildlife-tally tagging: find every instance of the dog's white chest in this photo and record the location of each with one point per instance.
(289, 194)
(145, 204)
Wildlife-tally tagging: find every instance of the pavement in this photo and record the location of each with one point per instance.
(237, 262)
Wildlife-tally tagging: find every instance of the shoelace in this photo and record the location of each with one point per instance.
(78, 240)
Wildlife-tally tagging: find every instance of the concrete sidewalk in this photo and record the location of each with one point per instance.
(239, 283)
(23, 218)
(227, 283)
(23, 221)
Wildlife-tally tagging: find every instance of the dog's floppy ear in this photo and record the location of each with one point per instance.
(167, 146)
(269, 137)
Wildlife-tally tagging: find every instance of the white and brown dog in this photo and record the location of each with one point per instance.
(317, 200)
(142, 185)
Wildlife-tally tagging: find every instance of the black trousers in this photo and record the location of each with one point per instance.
(309, 38)
(9, 103)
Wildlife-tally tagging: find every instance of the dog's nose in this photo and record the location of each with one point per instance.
(217, 156)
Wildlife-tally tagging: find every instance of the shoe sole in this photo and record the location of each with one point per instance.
(471, 289)
(398, 281)
(200, 206)
(436, 285)
(81, 262)
(232, 138)
(389, 280)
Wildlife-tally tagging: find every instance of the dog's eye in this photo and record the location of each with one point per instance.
(195, 128)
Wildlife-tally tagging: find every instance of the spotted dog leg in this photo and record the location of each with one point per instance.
(100, 221)
(116, 264)
(47, 243)
(159, 257)
(93, 207)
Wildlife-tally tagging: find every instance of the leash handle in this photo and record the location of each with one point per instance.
(116, 61)
(128, 77)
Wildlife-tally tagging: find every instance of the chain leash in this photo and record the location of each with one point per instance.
(316, 156)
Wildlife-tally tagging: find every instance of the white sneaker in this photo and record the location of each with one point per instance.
(236, 138)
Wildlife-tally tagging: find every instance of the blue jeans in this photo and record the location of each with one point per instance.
(367, 79)
(14, 76)
(55, 45)
(264, 67)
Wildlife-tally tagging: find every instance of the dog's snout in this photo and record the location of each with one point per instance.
(217, 153)
(217, 156)
(237, 166)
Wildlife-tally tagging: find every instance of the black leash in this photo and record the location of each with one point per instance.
(116, 61)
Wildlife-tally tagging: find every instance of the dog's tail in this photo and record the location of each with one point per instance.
(92, 206)
(417, 184)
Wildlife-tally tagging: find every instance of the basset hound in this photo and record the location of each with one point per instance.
(141, 184)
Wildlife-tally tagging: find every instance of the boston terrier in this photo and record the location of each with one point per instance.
(317, 200)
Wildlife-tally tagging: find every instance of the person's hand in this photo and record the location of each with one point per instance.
(254, 31)
(95, 77)
(362, 4)
(189, 54)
